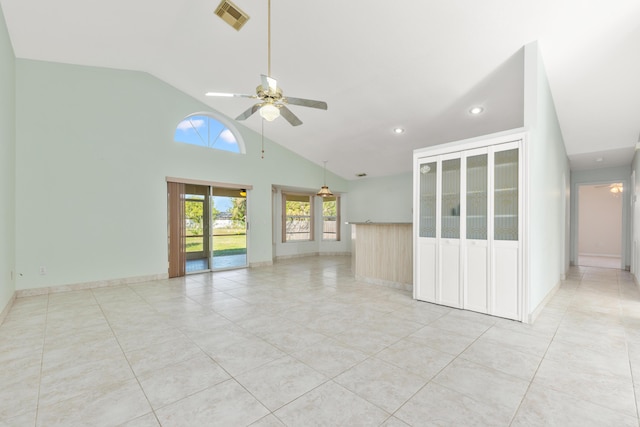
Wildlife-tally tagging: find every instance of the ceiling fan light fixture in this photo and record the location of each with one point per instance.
(616, 188)
(269, 112)
(271, 102)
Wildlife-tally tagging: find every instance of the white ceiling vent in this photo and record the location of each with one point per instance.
(231, 14)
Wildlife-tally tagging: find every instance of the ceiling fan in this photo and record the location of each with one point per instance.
(615, 188)
(272, 102)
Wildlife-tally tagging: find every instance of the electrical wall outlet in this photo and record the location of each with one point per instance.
(43, 270)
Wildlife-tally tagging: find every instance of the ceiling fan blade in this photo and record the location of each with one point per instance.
(306, 103)
(230, 95)
(269, 83)
(249, 112)
(289, 116)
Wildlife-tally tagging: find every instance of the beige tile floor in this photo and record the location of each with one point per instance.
(302, 343)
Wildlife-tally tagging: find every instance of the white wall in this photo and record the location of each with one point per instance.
(548, 180)
(598, 177)
(7, 166)
(600, 224)
(382, 199)
(94, 147)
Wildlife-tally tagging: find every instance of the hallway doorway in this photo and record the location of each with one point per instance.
(600, 225)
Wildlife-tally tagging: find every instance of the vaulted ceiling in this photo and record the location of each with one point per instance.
(418, 65)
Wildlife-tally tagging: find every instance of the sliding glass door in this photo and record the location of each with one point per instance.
(229, 228)
(207, 228)
(197, 223)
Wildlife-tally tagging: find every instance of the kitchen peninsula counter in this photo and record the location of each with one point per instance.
(383, 253)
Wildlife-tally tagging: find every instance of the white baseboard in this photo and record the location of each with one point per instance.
(90, 285)
(600, 255)
(7, 308)
(535, 313)
(260, 264)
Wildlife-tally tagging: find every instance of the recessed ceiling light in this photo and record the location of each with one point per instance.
(476, 110)
(599, 160)
(398, 130)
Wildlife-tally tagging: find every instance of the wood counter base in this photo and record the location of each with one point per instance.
(383, 254)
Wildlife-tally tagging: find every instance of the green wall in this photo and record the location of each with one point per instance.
(635, 215)
(7, 165)
(94, 148)
(383, 199)
(548, 184)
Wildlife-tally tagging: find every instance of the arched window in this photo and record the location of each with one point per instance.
(207, 131)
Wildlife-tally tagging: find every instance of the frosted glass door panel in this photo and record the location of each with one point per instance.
(451, 199)
(477, 169)
(428, 199)
(506, 195)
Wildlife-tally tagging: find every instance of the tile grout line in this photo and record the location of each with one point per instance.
(106, 318)
(44, 341)
(626, 342)
(442, 369)
(533, 377)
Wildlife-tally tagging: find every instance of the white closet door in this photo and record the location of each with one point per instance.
(505, 278)
(450, 284)
(506, 283)
(476, 279)
(427, 254)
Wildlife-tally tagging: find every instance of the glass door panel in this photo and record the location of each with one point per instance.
(477, 195)
(506, 195)
(428, 185)
(196, 212)
(229, 228)
(193, 208)
(451, 199)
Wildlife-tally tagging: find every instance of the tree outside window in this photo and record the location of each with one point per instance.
(298, 217)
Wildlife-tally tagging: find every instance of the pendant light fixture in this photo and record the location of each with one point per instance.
(324, 191)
